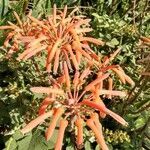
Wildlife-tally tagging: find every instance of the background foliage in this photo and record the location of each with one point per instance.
(120, 23)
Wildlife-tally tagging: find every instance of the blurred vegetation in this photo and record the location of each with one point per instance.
(121, 23)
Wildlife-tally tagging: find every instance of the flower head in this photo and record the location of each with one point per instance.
(61, 36)
(72, 99)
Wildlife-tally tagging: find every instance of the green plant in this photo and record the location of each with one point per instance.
(74, 97)
(119, 23)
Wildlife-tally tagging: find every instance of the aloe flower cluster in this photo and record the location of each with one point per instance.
(73, 98)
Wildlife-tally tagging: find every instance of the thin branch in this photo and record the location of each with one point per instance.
(134, 6)
(142, 15)
(145, 146)
(142, 109)
(81, 7)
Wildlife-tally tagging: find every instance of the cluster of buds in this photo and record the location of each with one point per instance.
(116, 137)
(72, 98)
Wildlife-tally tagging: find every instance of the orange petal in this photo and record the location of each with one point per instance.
(18, 19)
(36, 122)
(105, 110)
(7, 27)
(83, 30)
(120, 75)
(76, 79)
(47, 101)
(145, 39)
(56, 61)
(40, 23)
(54, 14)
(99, 127)
(110, 83)
(99, 137)
(112, 56)
(95, 105)
(79, 124)
(85, 73)
(64, 15)
(117, 117)
(52, 125)
(66, 72)
(98, 80)
(46, 90)
(92, 40)
(53, 50)
(129, 80)
(62, 127)
(27, 51)
(34, 52)
(37, 41)
(73, 58)
(67, 59)
(113, 92)
(26, 39)
(77, 47)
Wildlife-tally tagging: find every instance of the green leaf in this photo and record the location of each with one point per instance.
(70, 147)
(87, 145)
(140, 122)
(24, 143)
(3, 7)
(18, 135)
(38, 141)
(97, 147)
(38, 96)
(4, 115)
(53, 139)
(143, 102)
(11, 144)
(114, 42)
(48, 6)
(96, 15)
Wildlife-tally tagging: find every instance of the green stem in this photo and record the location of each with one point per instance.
(3, 8)
(9, 144)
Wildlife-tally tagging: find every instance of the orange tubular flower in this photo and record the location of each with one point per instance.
(100, 102)
(53, 123)
(61, 40)
(98, 80)
(36, 122)
(62, 127)
(67, 77)
(52, 34)
(105, 110)
(129, 80)
(73, 58)
(110, 82)
(79, 124)
(47, 101)
(100, 139)
(99, 127)
(120, 75)
(95, 118)
(47, 90)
